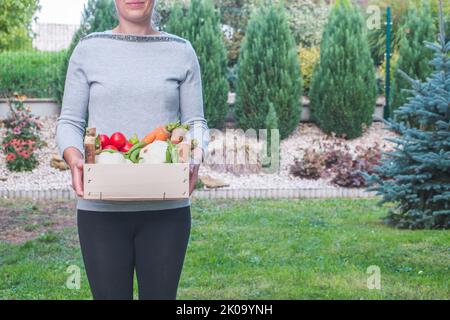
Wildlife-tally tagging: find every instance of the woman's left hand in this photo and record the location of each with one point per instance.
(193, 176)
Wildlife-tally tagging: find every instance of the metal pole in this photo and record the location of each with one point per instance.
(386, 110)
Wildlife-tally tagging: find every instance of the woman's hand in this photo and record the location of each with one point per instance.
(75, 161)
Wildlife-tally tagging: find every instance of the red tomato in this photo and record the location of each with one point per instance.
(110, 146)
(104, 140)
(126, 147)
(118, 140)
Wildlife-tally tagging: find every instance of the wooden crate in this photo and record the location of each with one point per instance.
(132, 182)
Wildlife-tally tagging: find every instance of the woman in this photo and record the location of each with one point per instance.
(131, 79)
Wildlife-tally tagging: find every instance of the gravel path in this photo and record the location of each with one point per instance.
(306, 136)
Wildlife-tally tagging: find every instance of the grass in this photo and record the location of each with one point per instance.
(259, 249)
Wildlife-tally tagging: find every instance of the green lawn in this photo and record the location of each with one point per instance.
(298, 249)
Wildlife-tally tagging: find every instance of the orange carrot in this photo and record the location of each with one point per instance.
(149, 138)
(159, 133)
(163, 134)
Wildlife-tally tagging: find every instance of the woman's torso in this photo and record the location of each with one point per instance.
(133, 88)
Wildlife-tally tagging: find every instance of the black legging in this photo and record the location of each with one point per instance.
(114, 244)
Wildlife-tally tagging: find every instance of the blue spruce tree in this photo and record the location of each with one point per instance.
(416, 174)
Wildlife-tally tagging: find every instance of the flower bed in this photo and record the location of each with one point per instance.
(21, 137)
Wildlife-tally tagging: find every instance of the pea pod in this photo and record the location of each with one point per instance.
(109, 150)
(135, 155)
(138, 145)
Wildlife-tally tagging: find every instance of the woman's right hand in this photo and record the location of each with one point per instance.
(75, 160)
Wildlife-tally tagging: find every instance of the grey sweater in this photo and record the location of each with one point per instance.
(132, 84)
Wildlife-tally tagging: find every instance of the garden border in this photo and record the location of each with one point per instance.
(297, 193)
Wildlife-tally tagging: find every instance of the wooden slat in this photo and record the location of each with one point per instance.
(135, 182)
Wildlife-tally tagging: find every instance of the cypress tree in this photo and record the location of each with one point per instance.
(415, 175)
(200, 24)
(98, 15)
(418, 27)
(268, 72)
(343, 88)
